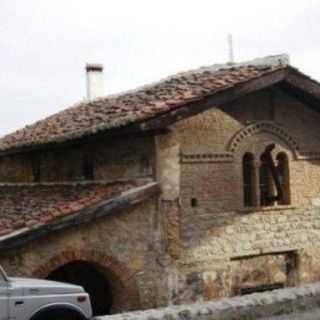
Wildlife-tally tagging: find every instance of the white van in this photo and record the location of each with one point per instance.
(32, 299)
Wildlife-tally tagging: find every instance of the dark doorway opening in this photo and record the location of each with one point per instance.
(91, 279)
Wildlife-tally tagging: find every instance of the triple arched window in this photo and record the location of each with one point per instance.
(265, 182)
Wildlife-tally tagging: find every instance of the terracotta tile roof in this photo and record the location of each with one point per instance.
(29, 206)
(87, 118)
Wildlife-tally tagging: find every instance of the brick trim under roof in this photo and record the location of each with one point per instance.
(29, 211)
(152, 102)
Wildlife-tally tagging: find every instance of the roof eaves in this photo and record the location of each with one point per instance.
(213, 100)
(303, 82)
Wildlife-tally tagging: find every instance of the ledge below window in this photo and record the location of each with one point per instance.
(262, 209)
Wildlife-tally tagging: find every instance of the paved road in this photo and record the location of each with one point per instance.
(314, 315)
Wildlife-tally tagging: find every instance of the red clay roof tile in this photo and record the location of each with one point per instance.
(116, 111)
(29, 206)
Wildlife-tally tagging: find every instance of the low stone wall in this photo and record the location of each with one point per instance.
(289, 302)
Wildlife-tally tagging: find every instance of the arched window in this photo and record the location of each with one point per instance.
(248, 179)
(283, 174)
(265, 184)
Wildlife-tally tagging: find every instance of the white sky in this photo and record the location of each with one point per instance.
(44, 44)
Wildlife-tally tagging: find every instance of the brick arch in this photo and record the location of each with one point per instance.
(123, 283)
(264, 126)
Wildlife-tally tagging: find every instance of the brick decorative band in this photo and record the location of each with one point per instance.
(207, 157)
(264, 126)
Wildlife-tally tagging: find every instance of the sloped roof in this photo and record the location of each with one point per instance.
(29, 208)
(141, 105)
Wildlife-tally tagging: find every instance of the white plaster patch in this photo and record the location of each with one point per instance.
(315, 202)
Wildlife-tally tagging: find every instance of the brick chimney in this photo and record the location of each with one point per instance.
(95, 87)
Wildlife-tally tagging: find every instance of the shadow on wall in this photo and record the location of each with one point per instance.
(91, 279)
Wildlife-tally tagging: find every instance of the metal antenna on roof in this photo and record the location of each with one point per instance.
(230, 48)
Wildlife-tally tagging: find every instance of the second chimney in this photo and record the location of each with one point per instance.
(95, 87)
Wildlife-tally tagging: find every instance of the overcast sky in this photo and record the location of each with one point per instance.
(44, 45)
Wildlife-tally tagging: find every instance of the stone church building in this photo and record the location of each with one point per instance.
(204, 185)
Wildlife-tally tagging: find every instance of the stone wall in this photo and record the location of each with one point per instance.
(218, 238)
(294, 303)
(168, 172)
(112, 159)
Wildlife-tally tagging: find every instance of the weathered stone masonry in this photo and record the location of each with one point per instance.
(112, 159)
(227, 246)
(121, 245)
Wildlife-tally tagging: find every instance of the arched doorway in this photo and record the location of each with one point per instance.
(93, 280)
(122, 289)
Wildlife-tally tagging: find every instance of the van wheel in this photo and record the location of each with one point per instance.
(58, 314)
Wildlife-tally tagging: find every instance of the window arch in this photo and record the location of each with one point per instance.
(284, 178)
(248, 179)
